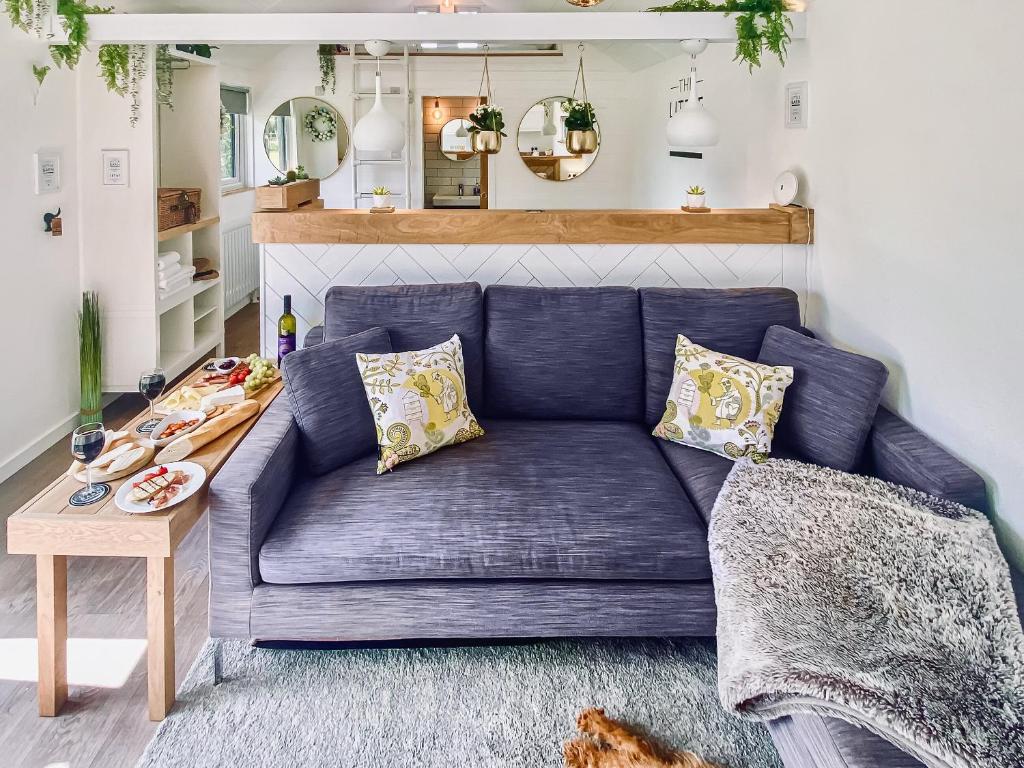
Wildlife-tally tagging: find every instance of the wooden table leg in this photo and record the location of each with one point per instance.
(160, 631)
(52, 632)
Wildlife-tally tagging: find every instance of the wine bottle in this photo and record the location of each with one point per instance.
(285, 331)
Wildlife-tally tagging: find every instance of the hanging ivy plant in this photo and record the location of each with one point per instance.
(113, 61)
(164, 77)
(23, 14)
(761, 25)
(328, 73)
(73, 13)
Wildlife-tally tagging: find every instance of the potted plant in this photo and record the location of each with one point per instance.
(381, 197)
(487, 126)
(695, 197)
(90, 359)
(581, 128)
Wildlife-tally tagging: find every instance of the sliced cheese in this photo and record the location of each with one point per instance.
(112, 454)
(235, 394)
(185, 399)
(126, 459)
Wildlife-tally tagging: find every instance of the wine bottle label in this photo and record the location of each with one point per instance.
(285, 345)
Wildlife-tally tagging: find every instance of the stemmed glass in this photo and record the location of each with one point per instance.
(87, 444)
(151, 385)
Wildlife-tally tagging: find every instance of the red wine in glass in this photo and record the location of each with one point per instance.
(151, 386)
(87, 444)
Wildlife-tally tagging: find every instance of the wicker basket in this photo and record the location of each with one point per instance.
(177, 206)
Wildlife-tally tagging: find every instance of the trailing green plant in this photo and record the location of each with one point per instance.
(113, 60)
(40, 72)
(73, 13)
(487, 117)
(328, 73)
(22, 14)
(90, 358)
(696, 189)
(164, 77)
(761, 25)
(580, 116)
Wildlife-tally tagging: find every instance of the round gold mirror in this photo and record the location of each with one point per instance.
(306, 132)
(551, 151)
(455, 140)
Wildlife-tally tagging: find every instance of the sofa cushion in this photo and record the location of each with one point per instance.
(417, 317)
(326, 395)
(813, 741)
(832, 402)
(563, 353)
(418, 401)
(731, 321)
(534, 499)
(703, 473)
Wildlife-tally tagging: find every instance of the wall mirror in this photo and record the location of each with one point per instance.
(308, 132)
(454, 139)
(545, 147)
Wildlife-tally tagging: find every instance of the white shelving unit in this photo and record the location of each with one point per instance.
(370, 169)
(167, 148)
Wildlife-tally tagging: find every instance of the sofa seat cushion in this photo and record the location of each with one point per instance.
(531, 499)
(703, 473)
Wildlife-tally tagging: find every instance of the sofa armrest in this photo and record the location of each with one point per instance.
(245, 498)
(313, 337)
(901, 454)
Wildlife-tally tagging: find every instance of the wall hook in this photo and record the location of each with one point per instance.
(48, 220)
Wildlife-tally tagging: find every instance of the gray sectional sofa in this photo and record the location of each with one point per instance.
(566, 519)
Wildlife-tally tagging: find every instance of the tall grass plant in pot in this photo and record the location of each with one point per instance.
(90, 359)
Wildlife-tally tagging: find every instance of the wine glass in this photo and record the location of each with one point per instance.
(151, 385)
(87, 444)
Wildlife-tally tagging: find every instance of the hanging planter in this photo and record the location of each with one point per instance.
(487, 122)
(581, 120)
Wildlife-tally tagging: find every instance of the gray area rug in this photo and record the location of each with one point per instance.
(854, 598)
(446, 707)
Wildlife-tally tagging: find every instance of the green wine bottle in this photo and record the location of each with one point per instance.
(285, 331)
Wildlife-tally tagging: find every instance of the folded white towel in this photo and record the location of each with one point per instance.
(166, 259)
(165, 273)
(177, 282)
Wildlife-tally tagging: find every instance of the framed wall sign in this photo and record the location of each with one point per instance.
(47, 175)
(796, 105)
(115, 167)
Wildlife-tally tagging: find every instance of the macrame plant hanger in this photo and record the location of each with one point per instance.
(581, 80)
(485, 78)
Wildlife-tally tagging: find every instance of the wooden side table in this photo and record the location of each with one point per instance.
(52, 530)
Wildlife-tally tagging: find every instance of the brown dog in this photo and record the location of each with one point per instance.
(613, 745)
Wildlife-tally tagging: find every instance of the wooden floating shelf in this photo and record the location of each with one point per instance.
(775, 225)
(184, 229)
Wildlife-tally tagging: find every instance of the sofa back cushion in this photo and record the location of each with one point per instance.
(832, 402)
(563, 353)
(730, 321)
(417, 317)
(325, 390)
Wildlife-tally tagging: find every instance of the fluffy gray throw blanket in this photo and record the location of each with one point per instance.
(854, 598)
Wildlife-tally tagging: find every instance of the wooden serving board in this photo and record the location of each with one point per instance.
(102, 476)
(688, 209)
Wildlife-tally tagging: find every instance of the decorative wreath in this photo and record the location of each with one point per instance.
(321, 124)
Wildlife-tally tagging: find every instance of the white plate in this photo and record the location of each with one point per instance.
(211, 367)
(169, 419)
(196, 481)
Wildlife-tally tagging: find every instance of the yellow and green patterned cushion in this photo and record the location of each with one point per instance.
(723, 404)
(418, 400)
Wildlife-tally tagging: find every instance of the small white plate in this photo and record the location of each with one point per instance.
(197, 477)
(214, 365)
(169, 419)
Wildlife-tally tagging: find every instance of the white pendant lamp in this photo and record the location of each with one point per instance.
(692, 125)
(462, 132)
(378, 130)
(549, 129)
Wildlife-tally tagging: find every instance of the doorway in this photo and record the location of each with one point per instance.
(453, 175)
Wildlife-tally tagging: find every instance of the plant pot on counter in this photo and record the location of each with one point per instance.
(381, 201)
(695, 201)
(486, 142)
(581, 142)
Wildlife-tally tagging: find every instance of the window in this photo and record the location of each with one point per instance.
(234, 138)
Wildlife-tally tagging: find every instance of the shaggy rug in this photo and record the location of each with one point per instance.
(858, 599)
(443, 707)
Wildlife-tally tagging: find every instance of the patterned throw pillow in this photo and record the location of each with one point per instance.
(723, 404)
(418, 400)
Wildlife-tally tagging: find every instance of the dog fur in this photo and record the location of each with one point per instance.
(607, 743)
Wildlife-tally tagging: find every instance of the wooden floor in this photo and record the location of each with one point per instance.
(99, 727)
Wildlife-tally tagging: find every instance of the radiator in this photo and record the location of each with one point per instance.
(241, 259)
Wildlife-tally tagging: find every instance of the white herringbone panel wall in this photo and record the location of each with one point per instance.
(307, 271)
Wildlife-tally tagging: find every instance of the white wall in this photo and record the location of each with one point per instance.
(914, 164)
(39, 273)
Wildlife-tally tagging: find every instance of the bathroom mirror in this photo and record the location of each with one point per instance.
(454, 140)
(308, 132)
(545, 147)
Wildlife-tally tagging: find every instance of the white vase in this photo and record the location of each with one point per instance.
(694, 201)
(381, 201)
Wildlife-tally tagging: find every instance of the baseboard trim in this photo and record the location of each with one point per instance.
(37, 447)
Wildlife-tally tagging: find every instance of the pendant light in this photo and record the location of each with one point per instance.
(692, 125)
(461, 131)
(378, 130)
(549, 129)
(437, 113)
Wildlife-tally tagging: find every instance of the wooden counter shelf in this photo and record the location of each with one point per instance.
(774, 225)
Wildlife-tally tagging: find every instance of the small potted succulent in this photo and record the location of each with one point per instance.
(486, 128)
(277, 181)
(381, 197)
(300, 173)
(695, 197)
(581, 128)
